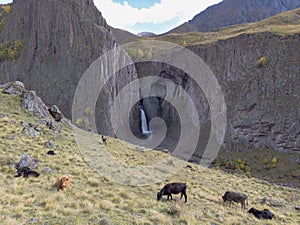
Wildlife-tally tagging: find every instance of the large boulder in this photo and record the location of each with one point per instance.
(27, 161)
(34, 104)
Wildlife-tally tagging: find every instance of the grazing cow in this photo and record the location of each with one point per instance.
(63, 182)
(173, 188)
(104, 140)
(26, 172)
(261, 214)
(51, 152)
(170, 162)
(236, 197)
(55, 113)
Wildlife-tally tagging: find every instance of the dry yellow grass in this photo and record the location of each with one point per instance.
(94, 199)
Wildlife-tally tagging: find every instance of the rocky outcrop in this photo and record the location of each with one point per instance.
(34, 104)
(13, 88)
(31, 129)
(60, 41)
(27, 161)
(233, 12)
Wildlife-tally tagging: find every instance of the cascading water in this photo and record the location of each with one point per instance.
(144, 125)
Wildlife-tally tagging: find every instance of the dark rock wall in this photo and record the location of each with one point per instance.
(262, 103)
(61, 39)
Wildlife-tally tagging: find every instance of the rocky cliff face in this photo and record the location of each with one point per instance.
(233, 12)
(60, 40)
(262, 100)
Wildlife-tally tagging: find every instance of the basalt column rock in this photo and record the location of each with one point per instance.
(60, 41)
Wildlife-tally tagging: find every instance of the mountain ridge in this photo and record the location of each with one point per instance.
(233, 12)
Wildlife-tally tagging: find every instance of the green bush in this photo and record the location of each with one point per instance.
(7, 9)
(10, 50)
(262, 62)
(2, 23)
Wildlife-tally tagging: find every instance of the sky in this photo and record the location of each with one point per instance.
(156, 16)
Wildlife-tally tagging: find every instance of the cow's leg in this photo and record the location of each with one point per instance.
(185, 196)
(171, 197)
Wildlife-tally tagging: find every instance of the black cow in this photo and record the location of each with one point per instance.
(104, 140)
(26, 172)
(261, 214)
(236, 197)
(173, 188)
(51, 152)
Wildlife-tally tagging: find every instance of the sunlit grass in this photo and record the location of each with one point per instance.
(94, 199)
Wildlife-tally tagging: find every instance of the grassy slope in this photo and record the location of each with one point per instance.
(94, 199)
(285, 23)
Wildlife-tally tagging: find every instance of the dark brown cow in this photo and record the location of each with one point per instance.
(104, 140)
(26, 172)
(261, 214)
(173, 188)
(236, 197)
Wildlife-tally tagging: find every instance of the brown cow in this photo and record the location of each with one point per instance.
(63, 182)
(170, 162)
(236, 197)
(261, 214)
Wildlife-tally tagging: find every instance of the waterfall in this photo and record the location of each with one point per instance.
(144, 126)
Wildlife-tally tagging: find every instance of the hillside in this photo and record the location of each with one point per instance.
(233, 12)
(286, 23)
(94, 199)
(123, 36)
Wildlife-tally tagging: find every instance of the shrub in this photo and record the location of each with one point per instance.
(248, 169)
(262, 62)
(2, 23)
(242, 166)
(88, 112)
(10, 50)
(7, 9)
(274, 160)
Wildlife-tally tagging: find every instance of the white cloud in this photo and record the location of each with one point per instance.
(123, 15)
(5, 1)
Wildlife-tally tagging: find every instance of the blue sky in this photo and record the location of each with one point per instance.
(139, 3)
(157, 16)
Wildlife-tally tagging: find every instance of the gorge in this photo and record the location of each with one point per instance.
(261, 101)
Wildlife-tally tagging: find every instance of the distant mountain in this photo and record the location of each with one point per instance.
(123, 36)
(233, 12)
(146, 34)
